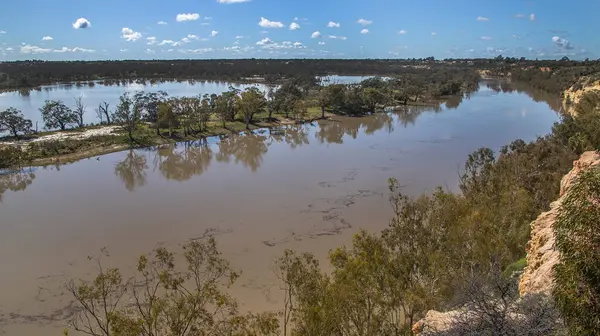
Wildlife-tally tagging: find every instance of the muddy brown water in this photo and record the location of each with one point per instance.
(308, 188)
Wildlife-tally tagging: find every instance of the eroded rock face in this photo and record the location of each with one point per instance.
(541, 253)
(538, 276)
(573, 95)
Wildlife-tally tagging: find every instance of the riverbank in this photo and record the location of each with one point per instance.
(59, 147)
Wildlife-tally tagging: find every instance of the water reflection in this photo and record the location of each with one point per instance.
(132, 170)
(15, 181)
(295, 136)
(539, 96)
(248, 150)
(180, 162)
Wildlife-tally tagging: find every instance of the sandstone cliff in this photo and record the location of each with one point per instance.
(537, 276)
(541, 255)
(572, 95)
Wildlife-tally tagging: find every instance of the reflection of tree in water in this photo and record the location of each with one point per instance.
(182, 161)
(454, 101)
(295, 135)
(132, 170)
(247, 149)
(15, 181)
(333, 131)
(536, 95)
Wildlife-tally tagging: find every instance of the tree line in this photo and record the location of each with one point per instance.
(30, 74)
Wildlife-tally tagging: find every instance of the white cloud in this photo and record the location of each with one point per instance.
(129, 35)
(296, 18)
(364, 22)
(2, 31)
(364, 31)
(239, 37)
(76, 49)
(519, 15)
(265, 23)
(124, 50)
(9, 49)
(151, 40)
(232, 1)
(30, 49)
(150, 51)
(321, 42)
(264, 32)
(433, 33)
(47, 38)
(168, 42)
(265, 41)
(205, 23)
(332, 24)
(333, 37)
(214, 33)
(516, 37)
(207, 18)
(402, 32)
(316, 34)
(190, 38)
(270, 44)
(187, 17)
(294, 26)
(482, 18)
(161, 23)
(486, 38)
(195, 51)
(532, 17)
(562, 43)
(81, 23)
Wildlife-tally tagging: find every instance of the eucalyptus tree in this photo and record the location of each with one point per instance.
(13, 121)
(57, 115)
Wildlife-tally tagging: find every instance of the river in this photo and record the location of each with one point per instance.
(308, 188)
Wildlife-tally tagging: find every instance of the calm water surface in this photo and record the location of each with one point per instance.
(307, 188)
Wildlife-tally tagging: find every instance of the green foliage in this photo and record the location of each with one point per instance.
(14, 121)
(517, 266)
(163, 299)
(577, 278)
(252, 101)
(128, 114)
(14, 157)
(57, 115)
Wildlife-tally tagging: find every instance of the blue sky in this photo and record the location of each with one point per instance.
(159, 29)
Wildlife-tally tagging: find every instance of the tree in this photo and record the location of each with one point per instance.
(163, 299)
(206, 110)
(79, 110)
(103, 109)
(373, 97)
(490, 305)
(577, 275)
(14, 121)
(324, 100)
(231, 100)
(57, 115)
(252, 101)
(221, 109)
(166, 115)
(127, 115)
(149, 103)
